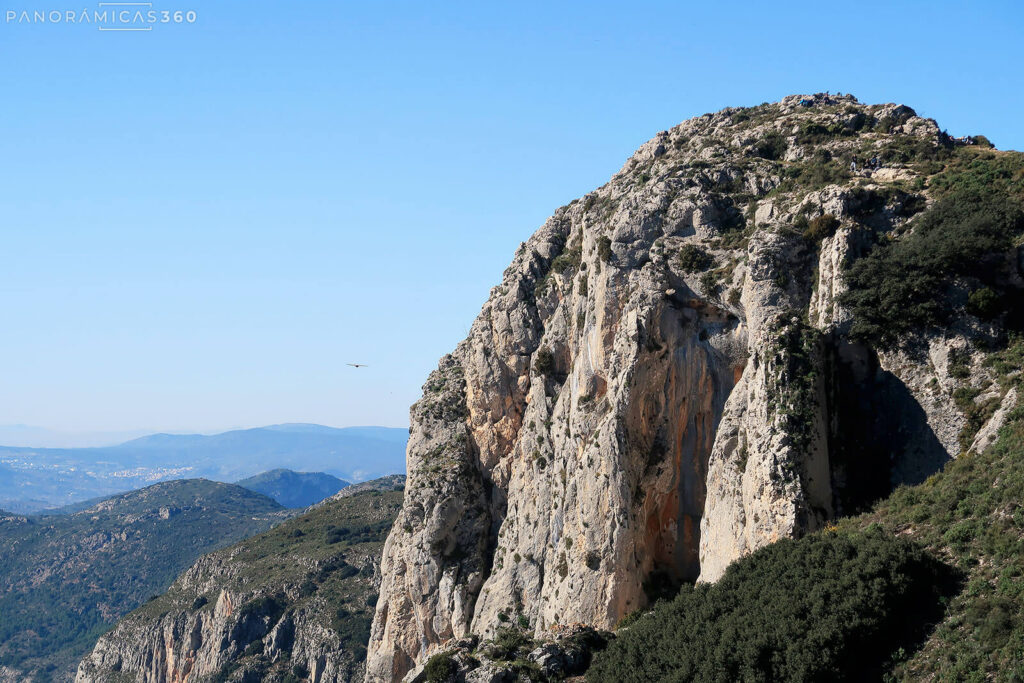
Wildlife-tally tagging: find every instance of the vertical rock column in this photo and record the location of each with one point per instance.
(769, 473)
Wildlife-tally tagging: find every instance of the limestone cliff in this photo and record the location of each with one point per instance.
(664, 381)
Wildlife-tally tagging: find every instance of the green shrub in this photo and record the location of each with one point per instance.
(568, 260)
(772, 146)
(984, 303)
(709, 283)
(811, 132)
(824, 608)
(820, 228)
(440, 668)
(908, 149)
(977, 414)
(544, 363)
(959, 364)
(271, 607)
(509, 643)
(812, 175)
(604, 248)
(692, 258)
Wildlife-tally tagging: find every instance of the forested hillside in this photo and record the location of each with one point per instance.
(65, 579)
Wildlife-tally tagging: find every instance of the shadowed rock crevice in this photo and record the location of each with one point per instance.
(679, 388)
(879, 434)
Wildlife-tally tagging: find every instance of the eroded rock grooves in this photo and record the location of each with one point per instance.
(651, 391)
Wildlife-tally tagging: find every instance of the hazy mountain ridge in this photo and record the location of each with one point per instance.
(29, 436)
(37, 478)
(294, 489)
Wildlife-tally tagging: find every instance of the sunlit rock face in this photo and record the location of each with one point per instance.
(661, 383)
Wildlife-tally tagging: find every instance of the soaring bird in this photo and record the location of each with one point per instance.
(356, 365)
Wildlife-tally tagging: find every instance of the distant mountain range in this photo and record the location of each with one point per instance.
(294, 489)
(41, 437)
(35, 479)
(64, 579)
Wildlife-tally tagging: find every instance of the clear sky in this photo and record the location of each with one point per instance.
(202, 224)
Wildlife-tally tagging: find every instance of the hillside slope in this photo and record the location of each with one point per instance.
(748, 332)
(64, 579)
(294, 603)
(294, 489)
(393, 482)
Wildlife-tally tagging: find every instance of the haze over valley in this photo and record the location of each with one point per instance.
(37, 479)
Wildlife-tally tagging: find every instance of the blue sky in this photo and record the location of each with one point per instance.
(202, 224)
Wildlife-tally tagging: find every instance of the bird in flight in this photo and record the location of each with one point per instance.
(356, 365)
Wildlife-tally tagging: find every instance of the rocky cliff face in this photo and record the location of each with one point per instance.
(664, 381)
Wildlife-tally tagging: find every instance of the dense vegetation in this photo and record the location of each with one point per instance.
(692, 258)
(972, 515)
(64, 579)
(907, 284)
(823, 608)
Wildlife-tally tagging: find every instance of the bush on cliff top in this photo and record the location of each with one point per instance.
(902, 286)
(828, 607)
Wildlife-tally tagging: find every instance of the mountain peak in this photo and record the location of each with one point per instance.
(737, 339)
(294, 489)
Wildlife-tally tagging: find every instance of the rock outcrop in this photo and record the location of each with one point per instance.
(664, 381)
(513, 656)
